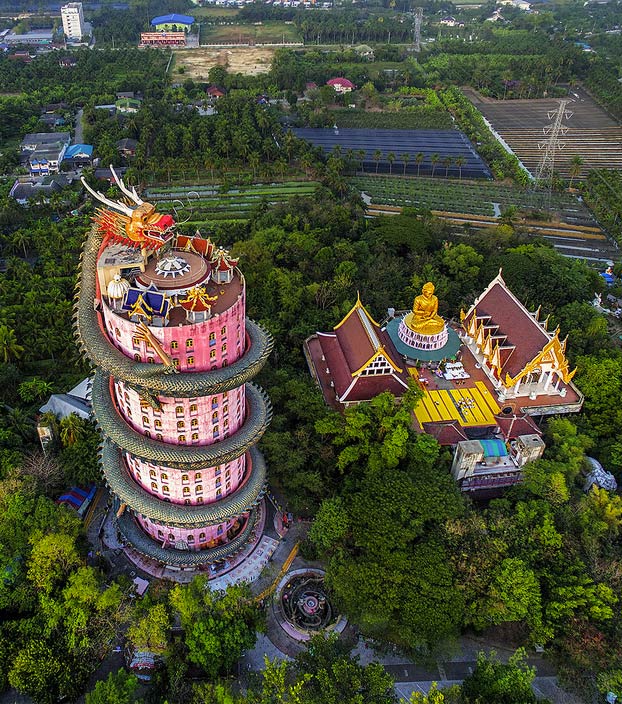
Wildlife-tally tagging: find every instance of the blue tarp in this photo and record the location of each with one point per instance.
(494, 448)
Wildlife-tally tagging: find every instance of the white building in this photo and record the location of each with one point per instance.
(73, 20)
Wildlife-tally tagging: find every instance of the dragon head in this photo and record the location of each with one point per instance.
(138, 224)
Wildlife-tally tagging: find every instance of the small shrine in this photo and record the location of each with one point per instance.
(422, 335)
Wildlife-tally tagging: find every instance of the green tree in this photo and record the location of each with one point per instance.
(118, 688)
(52, 560)
(217, 629)
(495, 682)
(151, 632)
(9, 349)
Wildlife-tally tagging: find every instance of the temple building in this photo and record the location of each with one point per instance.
(485, 383)
(356, 361)
(162, 317)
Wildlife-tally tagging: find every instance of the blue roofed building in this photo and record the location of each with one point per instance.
(79, 155)
(172, 23)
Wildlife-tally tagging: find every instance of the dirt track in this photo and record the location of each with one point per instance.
(249, 60)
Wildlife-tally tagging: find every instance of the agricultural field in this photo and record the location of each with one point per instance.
(248, 60)
(417, 118)
(591, 133)
(461, 196)
(266, 33)
(434, 152)
(208, 205)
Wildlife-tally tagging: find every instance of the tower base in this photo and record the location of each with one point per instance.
(415, 348)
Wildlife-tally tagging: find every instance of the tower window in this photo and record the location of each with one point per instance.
(179, 410)
(137, 358)
(182, 438)
(164, 476)
(165, 490)
(186, 491)
(191, 361)
(193, 408)
(194, 423)
(174, 344)
(195, 436)
(181, 425)
(189, 343)
(184, 478)
(212, 354)
(198, 489)
(157, 423)
(215, 417)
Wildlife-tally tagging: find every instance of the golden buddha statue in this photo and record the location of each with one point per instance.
(424, 318)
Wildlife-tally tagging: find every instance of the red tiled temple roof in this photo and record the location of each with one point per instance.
(514, 321)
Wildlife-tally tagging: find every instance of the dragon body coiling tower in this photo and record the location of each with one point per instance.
(163, 319)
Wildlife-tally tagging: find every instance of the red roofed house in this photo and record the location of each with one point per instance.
(341, 85)
(215, 92)
(356, 362)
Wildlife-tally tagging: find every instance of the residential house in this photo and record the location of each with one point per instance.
(341, 85)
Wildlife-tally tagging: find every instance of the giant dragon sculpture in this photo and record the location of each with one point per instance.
(134, 222)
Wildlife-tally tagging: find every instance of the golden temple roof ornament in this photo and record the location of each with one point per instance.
(424, 318)
(197, 299)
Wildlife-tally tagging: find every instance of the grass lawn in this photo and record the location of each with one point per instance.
(267, 33)
(210, 12)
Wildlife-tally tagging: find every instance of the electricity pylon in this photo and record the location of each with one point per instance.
(546, 166)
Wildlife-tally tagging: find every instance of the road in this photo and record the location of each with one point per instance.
(78, 136)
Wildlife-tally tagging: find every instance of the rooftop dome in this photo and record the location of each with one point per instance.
(172, 266)
(117, 288)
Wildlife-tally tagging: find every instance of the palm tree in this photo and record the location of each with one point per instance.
(9, 349)
(447, 163)
(360, 155)
(460, 162)
(419, 160)
(435, 158)
(71, 429)
(377, 157)
(405, 157)
(391, 159)
(576, 163)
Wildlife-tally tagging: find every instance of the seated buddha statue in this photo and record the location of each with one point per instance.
(424, 318)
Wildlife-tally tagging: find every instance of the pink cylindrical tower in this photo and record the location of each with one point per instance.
(163, 318)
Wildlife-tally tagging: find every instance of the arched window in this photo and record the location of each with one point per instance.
(224, 347)
(157, 423)
(215, 417)
(193, 408)
(152, 473)
(182, 438)
(212, 354)
(198, 489)
(218, 493)
(223, 330)
(202, 538)
(226, 422)
(189, 343)
(164, 476)
(171, 537)
(186, 491)
(175, 362)
(165, 490)
(117, 332)
(224, 362)
(191, 361)
(136, 342)
(158, 436)
(137, 358)
(194, 423)
(160, 533)
(154, 486)
(174, 344)
(212, 339)
(200, 500)
(190, 539)
(197, 477)
(147, 434)
(184, 478)
(195, 436)
(216, 432)
(179, 410)
(181, 425)
(145, 420)
(220, 529)
(187, 502)
(150, 360)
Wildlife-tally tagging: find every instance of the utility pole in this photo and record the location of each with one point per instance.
(418, 18)
(546, 167)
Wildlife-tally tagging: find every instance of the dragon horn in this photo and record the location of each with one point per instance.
(115, 204)
(124, 189)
